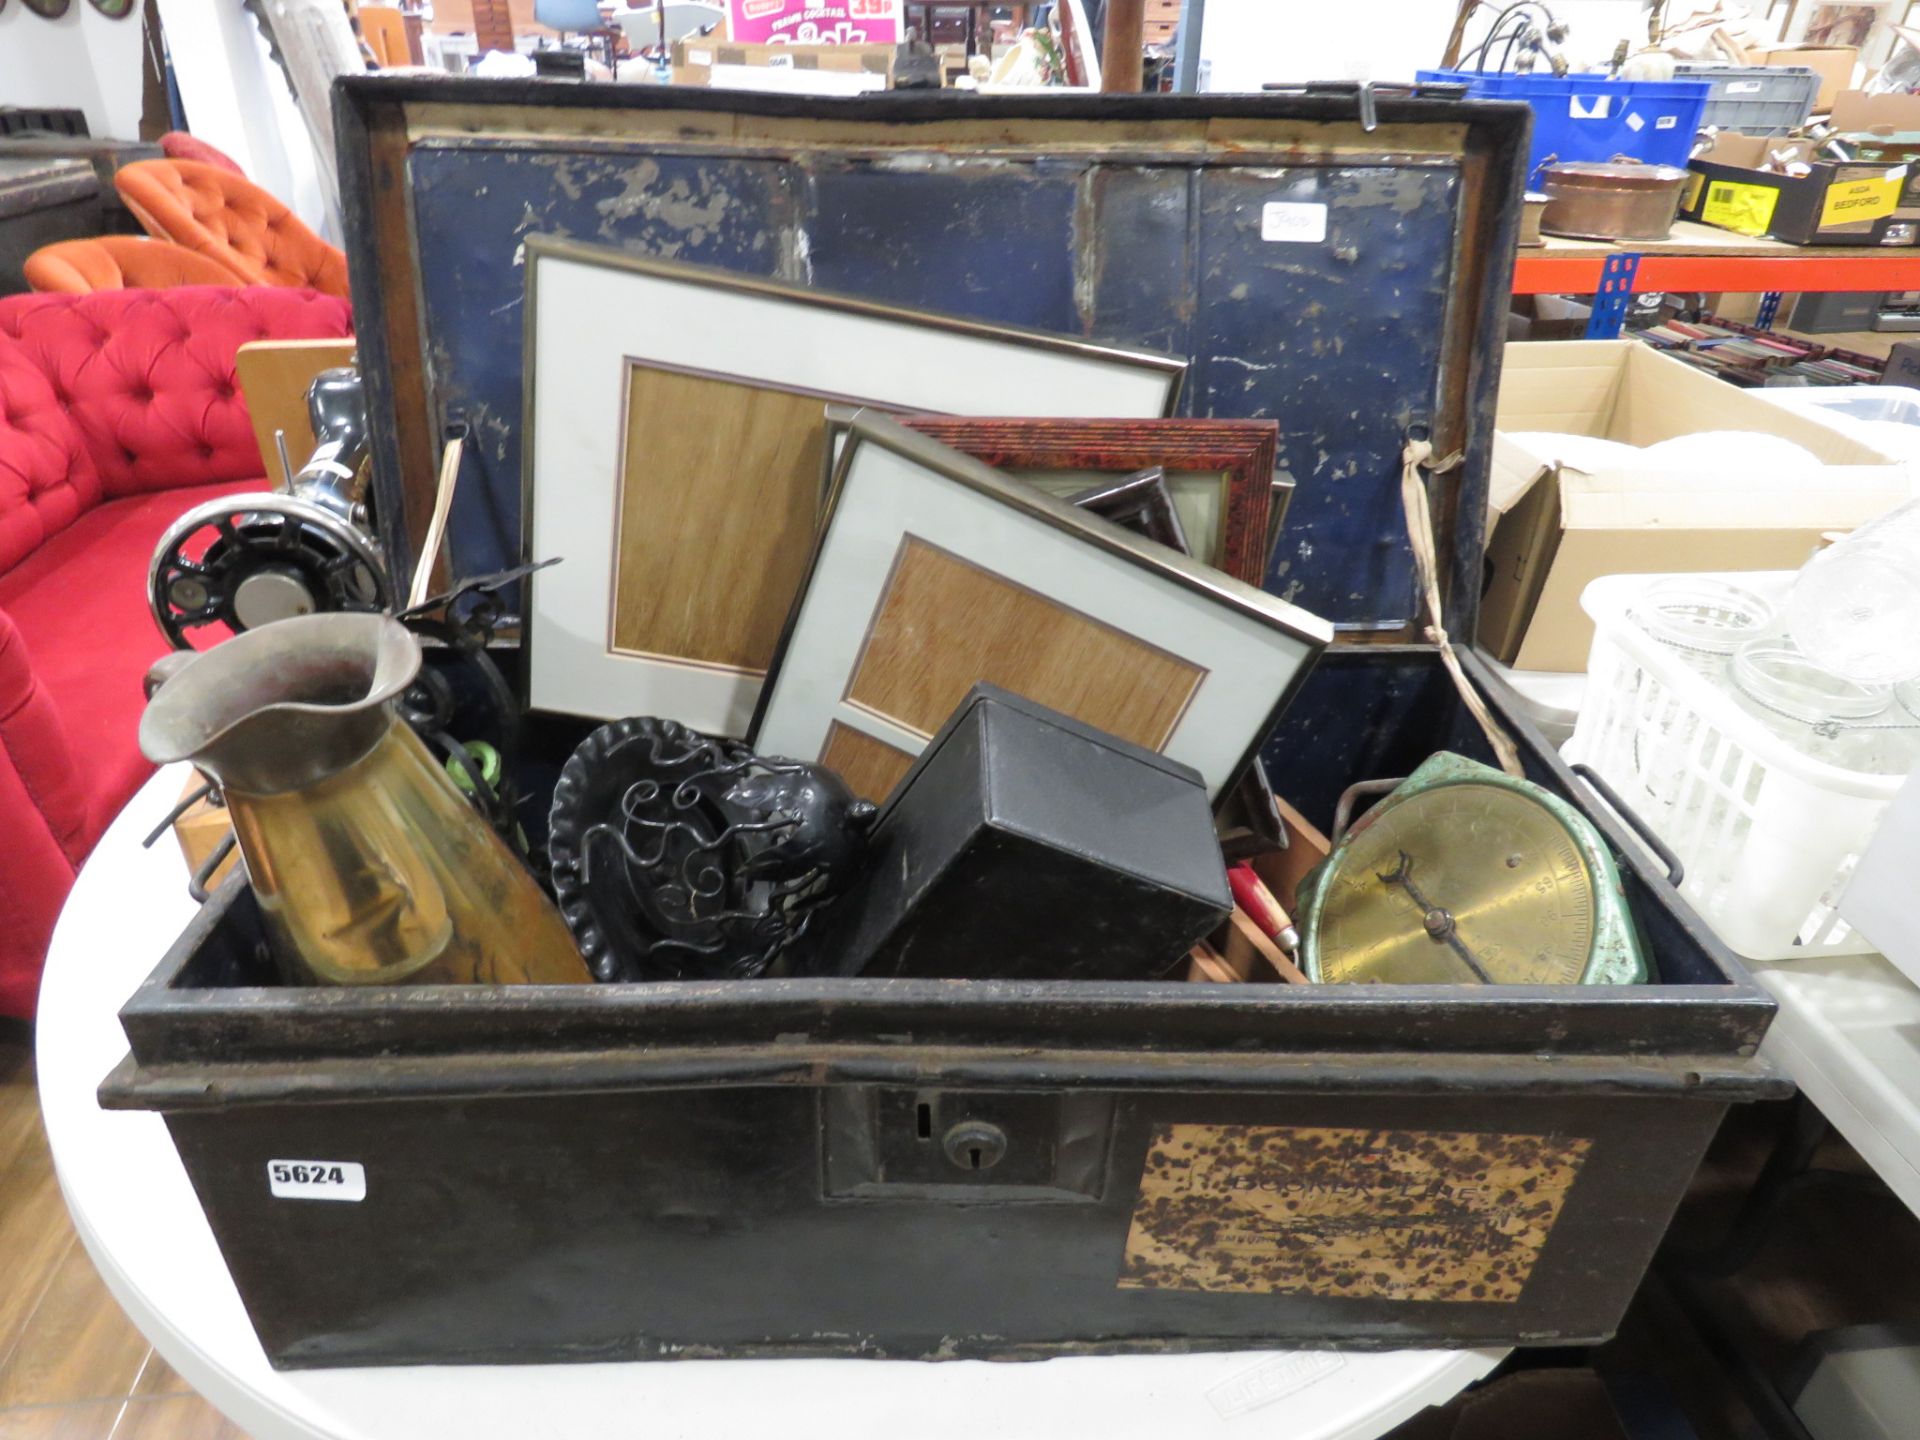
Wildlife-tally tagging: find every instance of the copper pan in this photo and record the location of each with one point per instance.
(1611, 199)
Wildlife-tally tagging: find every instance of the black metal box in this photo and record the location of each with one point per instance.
(787, 1166)
(1020, 833)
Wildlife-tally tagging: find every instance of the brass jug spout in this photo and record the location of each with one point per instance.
(369, 865)
(282, 707)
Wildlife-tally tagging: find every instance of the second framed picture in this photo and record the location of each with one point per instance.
(934, 571)
(1219, 473)
(1230, 500)
(674, 452)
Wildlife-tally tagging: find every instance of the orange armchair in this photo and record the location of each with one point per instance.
(230, 220)
(119, 262)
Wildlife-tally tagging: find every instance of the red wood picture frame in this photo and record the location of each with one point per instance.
(1243, 449)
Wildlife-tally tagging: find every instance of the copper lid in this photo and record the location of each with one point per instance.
(1615, 174)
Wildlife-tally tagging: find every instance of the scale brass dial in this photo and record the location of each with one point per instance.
(1467, 876)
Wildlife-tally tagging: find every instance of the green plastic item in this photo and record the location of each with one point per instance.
(489, 762)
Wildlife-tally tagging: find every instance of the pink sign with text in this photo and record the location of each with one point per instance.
(814, 22)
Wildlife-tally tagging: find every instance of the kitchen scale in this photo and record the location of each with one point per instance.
(1466, 875)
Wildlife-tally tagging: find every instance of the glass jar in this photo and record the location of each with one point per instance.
(1856, 605)
(1824, 715)
(1701, 619)
(1906, 695)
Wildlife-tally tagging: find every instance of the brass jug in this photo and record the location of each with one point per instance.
(369, 866)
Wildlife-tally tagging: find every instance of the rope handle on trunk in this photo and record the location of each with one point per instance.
(1413, 495)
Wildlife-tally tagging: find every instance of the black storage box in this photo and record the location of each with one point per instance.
(783, 1166)
(1020, 835)
(1833, 204)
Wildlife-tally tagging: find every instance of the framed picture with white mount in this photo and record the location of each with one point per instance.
(934, 571)
(674, 452)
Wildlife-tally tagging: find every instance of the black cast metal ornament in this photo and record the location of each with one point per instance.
(461, 702)
(681, 856)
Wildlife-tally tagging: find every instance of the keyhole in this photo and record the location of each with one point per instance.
(975, 1145)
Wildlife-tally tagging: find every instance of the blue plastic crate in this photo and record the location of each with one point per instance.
(1595, 117)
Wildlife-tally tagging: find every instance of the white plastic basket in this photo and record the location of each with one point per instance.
(1768, 835)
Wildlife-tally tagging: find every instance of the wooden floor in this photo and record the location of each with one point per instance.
(72, 1367)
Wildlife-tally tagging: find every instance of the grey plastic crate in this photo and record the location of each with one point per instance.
(1756, 99)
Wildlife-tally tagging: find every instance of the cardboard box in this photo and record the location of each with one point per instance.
(953, 62)
(705, 52)
(1883, 130)
(779, 80)
(1835, 204)
(1903, 364)
(1832, 63)
(1554, 529)
(1859, 110)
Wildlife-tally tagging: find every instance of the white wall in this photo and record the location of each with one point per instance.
(82, 59)
(1248, 42)
(236, 98)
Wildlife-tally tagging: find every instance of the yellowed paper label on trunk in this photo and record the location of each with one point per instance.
(1356, 1214)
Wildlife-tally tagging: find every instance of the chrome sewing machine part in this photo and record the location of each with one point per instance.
(242, 561)
(334, 476)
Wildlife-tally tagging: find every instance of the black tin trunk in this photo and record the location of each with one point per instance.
(1000, 1168)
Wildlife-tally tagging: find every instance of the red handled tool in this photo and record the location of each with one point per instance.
(1251, 894)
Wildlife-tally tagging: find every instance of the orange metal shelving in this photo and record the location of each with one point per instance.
(1789, 268)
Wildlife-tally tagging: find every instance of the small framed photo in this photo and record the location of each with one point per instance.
(674, 449)
(1219, 473)
(1140, 502)
(934, 571)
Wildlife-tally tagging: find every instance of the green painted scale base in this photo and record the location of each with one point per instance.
(1466, 875)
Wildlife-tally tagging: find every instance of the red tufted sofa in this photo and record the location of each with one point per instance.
(118, 410)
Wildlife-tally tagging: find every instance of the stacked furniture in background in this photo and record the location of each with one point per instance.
(43, 200)
(118, 411)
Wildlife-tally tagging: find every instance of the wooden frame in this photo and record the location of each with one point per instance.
(932, 571)
(671, 414)
(1875, 47)
(1242, 451)
(1141, 502)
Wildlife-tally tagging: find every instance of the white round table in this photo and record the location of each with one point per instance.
(139, 1220)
